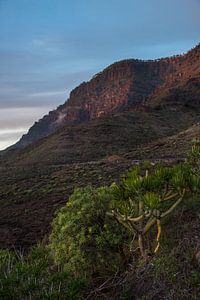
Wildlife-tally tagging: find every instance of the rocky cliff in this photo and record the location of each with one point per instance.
(123, 85)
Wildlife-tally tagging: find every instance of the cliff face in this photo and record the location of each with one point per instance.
(182, 82)
(123, 85)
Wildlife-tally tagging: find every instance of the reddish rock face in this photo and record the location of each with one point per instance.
(123, 85)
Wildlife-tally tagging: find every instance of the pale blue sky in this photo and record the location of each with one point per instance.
(49, 46)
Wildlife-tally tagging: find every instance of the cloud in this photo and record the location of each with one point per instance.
(10, 137)
(22, 87)
(38, 43)
(48, 94)
(9, 140)
(15, 121)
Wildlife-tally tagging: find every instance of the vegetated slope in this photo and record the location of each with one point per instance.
(125, 84)
(116, 134)
(31, 191)
(172, 147)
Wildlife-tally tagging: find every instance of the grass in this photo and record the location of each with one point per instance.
(33, 276)
(166, 266)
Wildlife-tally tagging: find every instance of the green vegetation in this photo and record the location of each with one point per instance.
(166, 266)
(193, 158)
(95, 238)
(41, 177)
(33, 276)
(142, 201)
(84, 239)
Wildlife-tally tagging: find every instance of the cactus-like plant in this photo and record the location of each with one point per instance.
(145, 196)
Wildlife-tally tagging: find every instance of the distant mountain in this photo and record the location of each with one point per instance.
(128, 84)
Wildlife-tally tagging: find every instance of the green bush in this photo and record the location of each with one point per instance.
(84, 239)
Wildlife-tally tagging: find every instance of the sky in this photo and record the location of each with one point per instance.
(48, 47)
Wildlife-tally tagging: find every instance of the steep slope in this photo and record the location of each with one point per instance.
(182, 85)
(99, 138)
(124, 84)
(185, 94)
(172, 147)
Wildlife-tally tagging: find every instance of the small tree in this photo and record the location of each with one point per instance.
(143, 198)
(84, 239)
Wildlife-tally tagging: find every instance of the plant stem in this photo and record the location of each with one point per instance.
(141, 247)
(158, 236)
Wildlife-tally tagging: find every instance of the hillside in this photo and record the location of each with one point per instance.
(172, 147)
(38, 179)
(124, 85)
(102, 137)
(33, 184)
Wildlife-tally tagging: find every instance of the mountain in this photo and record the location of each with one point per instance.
(133, 110)
(128, 84)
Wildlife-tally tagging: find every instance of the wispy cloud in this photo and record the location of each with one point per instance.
(46, 45)
(38, 43)
(20, 118)
(14, 122)
(11, 131)
(8, 137)
(48, 94)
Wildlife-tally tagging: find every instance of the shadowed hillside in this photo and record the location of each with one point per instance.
(102, 137)
(36, 181)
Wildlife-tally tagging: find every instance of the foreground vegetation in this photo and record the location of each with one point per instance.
(34, 276)
(108, 242)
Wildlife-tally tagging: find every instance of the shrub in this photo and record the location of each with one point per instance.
(143, 198)
(84, 239)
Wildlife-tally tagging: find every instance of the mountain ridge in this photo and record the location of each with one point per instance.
(127, 84)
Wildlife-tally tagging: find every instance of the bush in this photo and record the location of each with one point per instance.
(84, 239)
